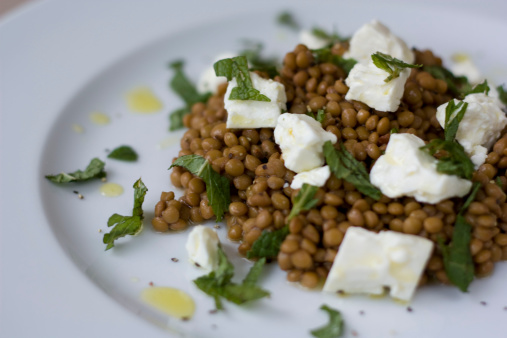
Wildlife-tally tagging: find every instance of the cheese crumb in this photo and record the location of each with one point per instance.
(310, 40)
(316, 177)
(367, 262)
(202, 247)
(406, 170)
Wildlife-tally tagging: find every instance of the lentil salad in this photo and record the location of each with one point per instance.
(261, 197)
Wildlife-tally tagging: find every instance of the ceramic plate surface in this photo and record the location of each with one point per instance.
(50, 217)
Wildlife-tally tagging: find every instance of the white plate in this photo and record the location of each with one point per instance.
(62, 62)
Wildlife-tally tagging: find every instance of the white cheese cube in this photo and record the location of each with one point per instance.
(366, 84)
(480, 127)
(256, 114)
(463, 66)
(202, 247)
(367, 262)
(493, 93)
(209, 82)
(406, 170)
(312, 41)
(375, 37)
(316, 177)
(301, 139)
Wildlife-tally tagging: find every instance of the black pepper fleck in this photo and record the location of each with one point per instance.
(484, 303)
(75, 192)
(361, 312)
(185, 319)
(409, 309)
(354, 333)
(264, 167)
(174, 259)
(212, 312)
(198, 265)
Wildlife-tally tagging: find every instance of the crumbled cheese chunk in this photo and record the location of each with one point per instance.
(375, 37)
(367, 262)
(310, 40)
(464, 66)
(301, 139)
(480, 127)
(209, 82)
(256, 114)
(316, 177)
(406, 170)
(202, 247)
(366, 84)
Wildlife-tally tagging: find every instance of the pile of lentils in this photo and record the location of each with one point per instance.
(260, 184)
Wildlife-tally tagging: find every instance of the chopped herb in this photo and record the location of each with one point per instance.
(454, 162)
(319, 117)
(498, 182)
(304, 200)
(391, 65)
(457, 85)
(252, 52)
(458, 262)
(127, 225)
(394, 131)
(237, 67)
(480, 88)
(345, 166)
(451, 126)
(326, 55)
(217, 186)
(335, 326)
(95, 169)
(502, 94)
(188, 93)
(123, 153)
(333, 37)
(268, 244)
(217, 284)
(287, 19)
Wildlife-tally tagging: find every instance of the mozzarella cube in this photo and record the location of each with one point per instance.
(480, 127)
(375, 37)
(316, 177)
(312, 41)
(301, 139)
(366, 84)
(209, 82)
(406, 170)
(202, 247)
(256, 114)
(367, 262)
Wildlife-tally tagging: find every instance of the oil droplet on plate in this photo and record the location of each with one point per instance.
(100, 119)
(77, 128)
(168, 141)
(174, 302)
(142, 100)
(111, 190)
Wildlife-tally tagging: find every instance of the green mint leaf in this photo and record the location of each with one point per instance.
(95, 169)
(458, 262)
(218, 283)
(237, 67)
(127, 225)
(183, 87)
(454, 162)
(176, 118)
(123, 153)
(391, 65)
(451, 126)
(480, 88)
(345, 166)
(471, 196)
(394, 131)
(325, 55)
(319, 117)
(268, 244)
(217, 186)
(304, 200)
(502, 94)
(287, 19)
(255, 272)
(457, 85)
(186, 91)
(333, 37)
(335, 326)
(252, 52)
(498, 182)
